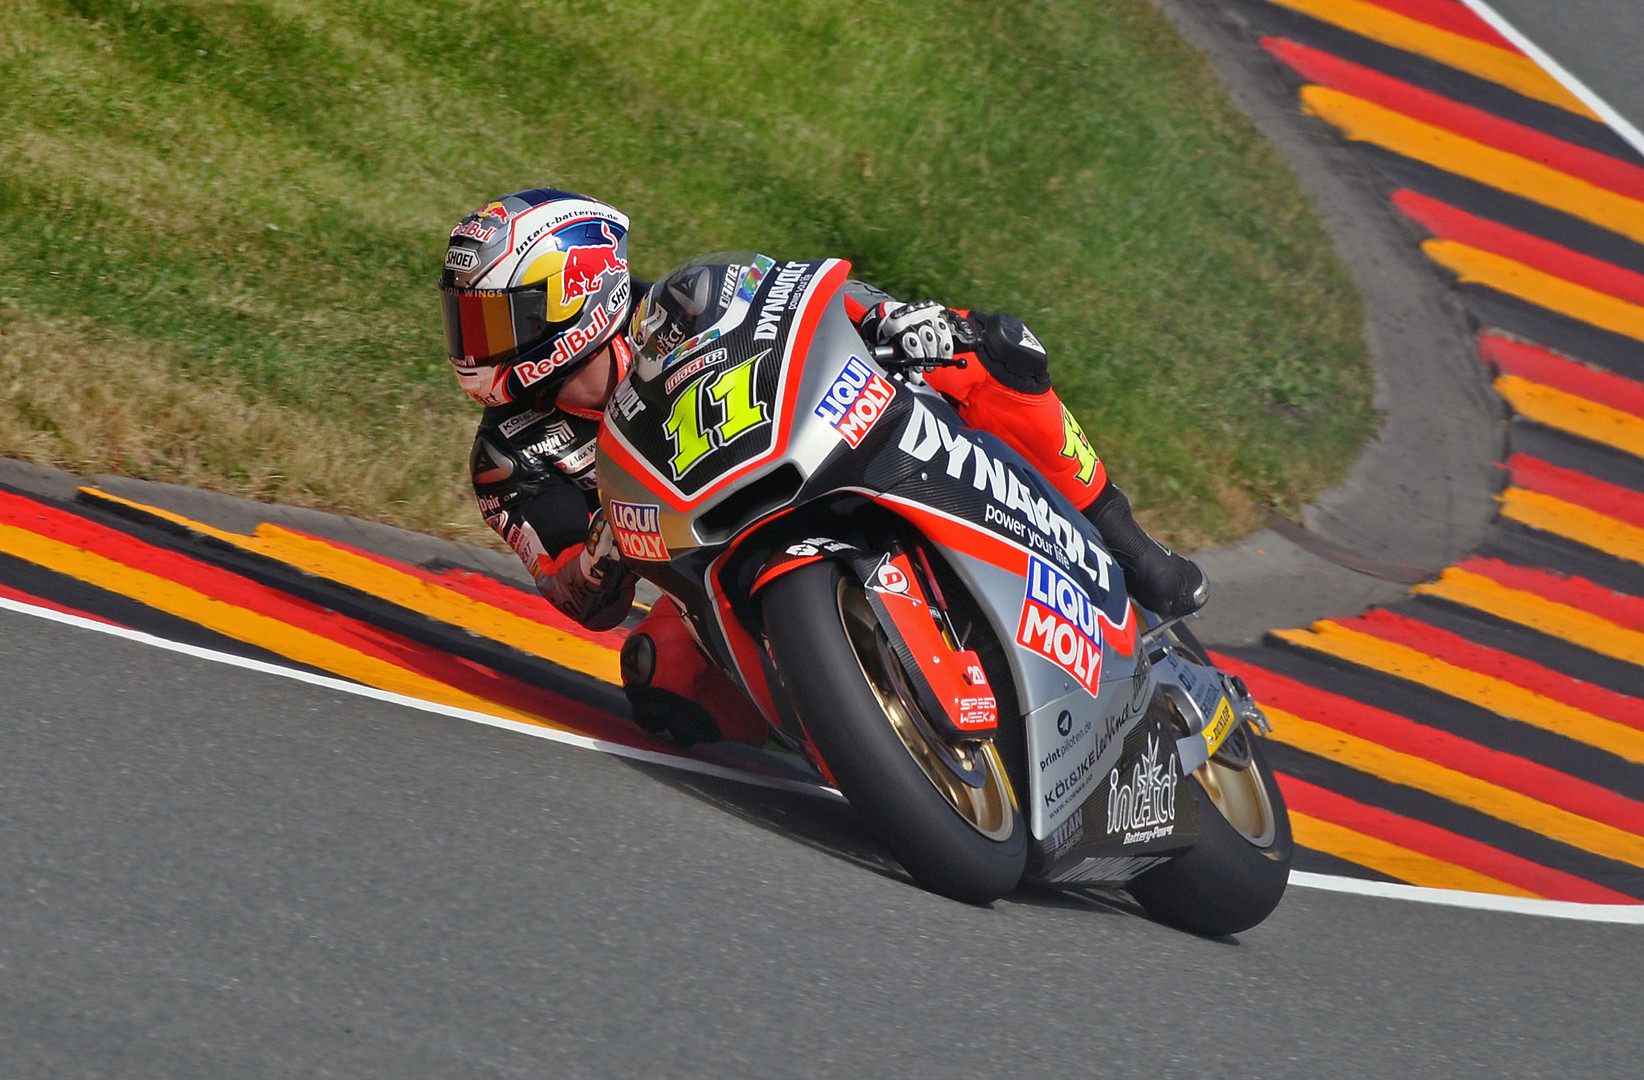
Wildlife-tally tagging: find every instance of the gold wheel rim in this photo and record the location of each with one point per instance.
(1241, 797)
(986, 806)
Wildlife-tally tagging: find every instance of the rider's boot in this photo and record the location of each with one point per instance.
(675, 694)
(1157, 578)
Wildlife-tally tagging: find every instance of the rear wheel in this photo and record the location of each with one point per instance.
(1235, 875)
(944, 808)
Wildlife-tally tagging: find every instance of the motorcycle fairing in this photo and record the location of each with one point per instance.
(775, 337)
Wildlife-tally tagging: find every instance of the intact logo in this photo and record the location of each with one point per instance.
(855, 401)
(1059, 623)
(638, 531)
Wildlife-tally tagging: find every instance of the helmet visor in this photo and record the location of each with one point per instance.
(492, 325)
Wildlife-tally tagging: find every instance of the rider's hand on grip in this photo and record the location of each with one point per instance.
(600, 555)
(921, 333)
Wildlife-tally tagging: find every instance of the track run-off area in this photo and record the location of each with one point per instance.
(1479, 743)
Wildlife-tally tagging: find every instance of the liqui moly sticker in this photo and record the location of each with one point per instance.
(1059, 623)
(855, 401)
(638, 530)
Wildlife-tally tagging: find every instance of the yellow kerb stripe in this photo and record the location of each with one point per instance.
(1390, 859)
(1576, 415)
(1458, 787)
(1503, 698)
(291, 642)
(368, 576)
(1527, 609)
(1573, 522)
(1511, 69)
(1546, 290)
(1367, 122)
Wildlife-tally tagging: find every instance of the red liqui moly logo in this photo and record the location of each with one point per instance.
(638, 530)
(1059, 623)
(586, 266)
(855, 401)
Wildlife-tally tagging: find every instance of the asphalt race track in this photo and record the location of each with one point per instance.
(212, 870)
(226, 873)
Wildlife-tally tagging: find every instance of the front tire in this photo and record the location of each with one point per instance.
(962, 839)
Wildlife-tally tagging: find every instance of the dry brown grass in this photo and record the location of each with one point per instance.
(82, 399)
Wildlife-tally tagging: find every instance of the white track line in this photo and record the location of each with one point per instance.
(1632, 914)
(1556, 909)
(1620, 124)
(358, 690)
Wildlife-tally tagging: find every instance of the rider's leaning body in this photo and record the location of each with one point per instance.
(538, 303)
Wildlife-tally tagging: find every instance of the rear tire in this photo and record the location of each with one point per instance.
(962, 840)
(1236, 874)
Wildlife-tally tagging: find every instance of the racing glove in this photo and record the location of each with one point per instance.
(920, 333)
(593, 585)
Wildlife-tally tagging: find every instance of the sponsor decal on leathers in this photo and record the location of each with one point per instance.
(638, 530)
(516, 424)
(1144, 807)
(855, 401)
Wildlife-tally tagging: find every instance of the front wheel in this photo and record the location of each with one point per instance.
(1233, 877)
(944, 809)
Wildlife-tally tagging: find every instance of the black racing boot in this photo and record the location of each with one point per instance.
(662, 713)
(1158, 579)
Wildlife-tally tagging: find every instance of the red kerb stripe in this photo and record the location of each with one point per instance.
(373, 641)
(1444, 845)
(1541, 365)
(1439, 747)
(486, 590)
(1459, 651)
(1448, 15)
(50, 605)
(1620, 608)
(1448, 223)
(1592, 166)
(1600, 496)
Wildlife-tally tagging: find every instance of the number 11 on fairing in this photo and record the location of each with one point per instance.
(733, 391)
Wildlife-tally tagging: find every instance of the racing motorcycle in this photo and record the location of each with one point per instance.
(913, 607)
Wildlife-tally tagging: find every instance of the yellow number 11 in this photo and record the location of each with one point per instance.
(733, 390)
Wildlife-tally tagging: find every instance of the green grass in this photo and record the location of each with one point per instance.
(251, 198)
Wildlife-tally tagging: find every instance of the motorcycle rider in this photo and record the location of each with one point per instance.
(537, 301)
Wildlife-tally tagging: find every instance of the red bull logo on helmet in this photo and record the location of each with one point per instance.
(586, 266)
(1059, 623)
(496, 210)
(566, 349)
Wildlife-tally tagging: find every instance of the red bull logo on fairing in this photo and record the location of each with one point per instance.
(586, 266)
(1059, 622)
